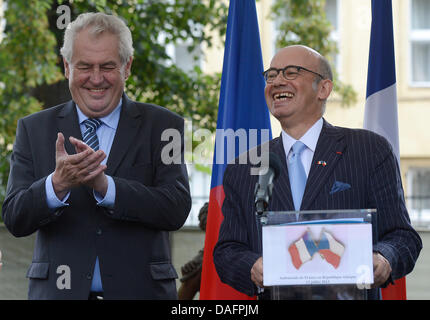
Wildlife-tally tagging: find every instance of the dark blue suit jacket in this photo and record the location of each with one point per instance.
(360, 158)
(132, 239)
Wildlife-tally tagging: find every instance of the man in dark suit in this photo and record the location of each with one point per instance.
(89, 177)
(298, 84)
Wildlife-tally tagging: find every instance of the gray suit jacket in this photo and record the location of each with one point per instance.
(132, 239)
(360, 158)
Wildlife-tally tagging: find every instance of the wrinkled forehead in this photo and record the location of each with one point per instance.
(95, 48)
(296, 55)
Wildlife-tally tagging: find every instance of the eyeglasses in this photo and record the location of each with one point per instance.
(289, 73)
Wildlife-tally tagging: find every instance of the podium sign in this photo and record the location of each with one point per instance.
(318, 249)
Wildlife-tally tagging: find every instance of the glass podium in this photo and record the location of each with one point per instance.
(318, 255)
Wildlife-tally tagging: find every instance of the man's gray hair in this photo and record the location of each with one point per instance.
(98, 23)
(326, 72)
(325, 68)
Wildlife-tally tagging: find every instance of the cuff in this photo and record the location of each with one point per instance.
(109, 200)
(51, 198)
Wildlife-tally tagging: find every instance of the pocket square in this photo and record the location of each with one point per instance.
(339, 186)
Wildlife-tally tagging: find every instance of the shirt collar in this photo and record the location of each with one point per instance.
(310, 138)
(111, 120)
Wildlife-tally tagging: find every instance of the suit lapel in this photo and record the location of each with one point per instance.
(328, 152)
(68, 125)
(128, 127)
(282, 198)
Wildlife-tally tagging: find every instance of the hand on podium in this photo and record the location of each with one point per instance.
(257, 272)
(381, 270)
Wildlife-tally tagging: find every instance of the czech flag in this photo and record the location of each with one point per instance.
(381, 98)
(330, 249)
(241, 106)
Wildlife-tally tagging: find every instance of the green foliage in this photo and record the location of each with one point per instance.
(304, 22)
(29, 57)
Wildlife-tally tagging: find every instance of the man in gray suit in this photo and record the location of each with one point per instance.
(88, 177)
(298, 84)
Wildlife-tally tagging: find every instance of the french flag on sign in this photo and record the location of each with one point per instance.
(302, 250)
(330, 249)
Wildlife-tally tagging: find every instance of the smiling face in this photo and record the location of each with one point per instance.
(96, 74)
(298, 103)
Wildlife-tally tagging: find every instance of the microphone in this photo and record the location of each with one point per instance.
(264, 186)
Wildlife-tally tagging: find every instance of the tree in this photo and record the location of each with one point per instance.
(27, 59)
(31, 71)
(305, 22)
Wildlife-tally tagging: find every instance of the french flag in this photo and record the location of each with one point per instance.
(380, 113)
(302, 250)
(330, 249)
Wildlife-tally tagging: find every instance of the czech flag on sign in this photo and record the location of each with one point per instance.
(330, 249)
(241, 106)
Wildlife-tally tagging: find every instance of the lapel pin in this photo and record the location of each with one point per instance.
(322, 163)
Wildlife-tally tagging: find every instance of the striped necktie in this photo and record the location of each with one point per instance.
(297, 174)
(90, 135)
(91, 139)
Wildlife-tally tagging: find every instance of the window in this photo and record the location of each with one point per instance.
(181, 57)
(418, 198)
(332, 14)
(187, 60)
(420, 42)
(2, 20)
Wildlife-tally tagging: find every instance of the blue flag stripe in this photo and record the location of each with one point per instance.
(381, 68)
(241, 104)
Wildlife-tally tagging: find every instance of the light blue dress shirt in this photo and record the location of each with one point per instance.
(310, 139)
(106, 134)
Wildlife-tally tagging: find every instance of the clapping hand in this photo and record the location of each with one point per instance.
(84, 167)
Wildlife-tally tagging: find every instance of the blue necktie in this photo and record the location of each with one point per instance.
(90, 138)
(297, 174)
(90, 135)
(96, 283)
